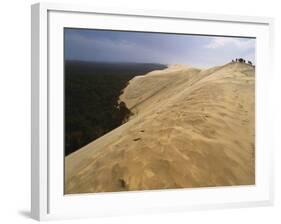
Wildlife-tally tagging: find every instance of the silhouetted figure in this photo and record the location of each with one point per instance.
(250, 63)
(241, 60)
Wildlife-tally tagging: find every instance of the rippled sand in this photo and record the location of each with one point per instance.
(190, 128)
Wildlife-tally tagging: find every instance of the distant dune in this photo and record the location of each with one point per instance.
(190, 128)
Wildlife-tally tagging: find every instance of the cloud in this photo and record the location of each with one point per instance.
(220, 42)
(105, 48)
(106, 43)
(202, 51)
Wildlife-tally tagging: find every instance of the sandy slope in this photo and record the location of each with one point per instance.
(190, 128)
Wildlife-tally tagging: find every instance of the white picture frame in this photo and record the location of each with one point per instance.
(47, 198)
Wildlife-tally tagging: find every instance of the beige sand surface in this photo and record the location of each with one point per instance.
(190, 128)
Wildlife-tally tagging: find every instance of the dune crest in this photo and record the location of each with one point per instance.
(189, 128)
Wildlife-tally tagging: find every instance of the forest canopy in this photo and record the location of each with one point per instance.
(91, 93)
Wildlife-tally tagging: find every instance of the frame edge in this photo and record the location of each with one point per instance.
(35, 177)
(39, 144)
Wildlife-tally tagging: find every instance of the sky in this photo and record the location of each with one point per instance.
(164, 48)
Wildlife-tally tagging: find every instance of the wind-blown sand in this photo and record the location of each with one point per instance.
(190, 128)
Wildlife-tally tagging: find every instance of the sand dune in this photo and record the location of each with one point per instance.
(190, 128)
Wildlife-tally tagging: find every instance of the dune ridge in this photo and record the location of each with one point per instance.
(189, 128)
